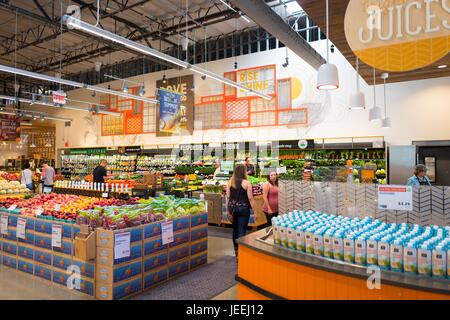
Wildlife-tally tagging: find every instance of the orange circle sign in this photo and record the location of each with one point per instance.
(398, 35)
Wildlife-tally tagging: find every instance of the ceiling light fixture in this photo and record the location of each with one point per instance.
(357, 100)
(375, 112)
(443, 66)
(74, 84)
(88, 28)
(164, 79)
(386, 121)
(328, 76)
(27, 115)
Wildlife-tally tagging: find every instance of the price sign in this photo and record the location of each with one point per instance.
(4, 225)
(122, 245)
(56, 235)
(57, 207)
(281, 170)
(105, 194)
(21, 228)
(395, 198)
(47, 190)
(167, 232)
(13, 207)
(39, 211)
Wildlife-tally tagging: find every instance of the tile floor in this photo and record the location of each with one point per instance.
(16, 285)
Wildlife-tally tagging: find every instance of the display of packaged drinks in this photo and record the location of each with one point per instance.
(402, 247)
(84, 185)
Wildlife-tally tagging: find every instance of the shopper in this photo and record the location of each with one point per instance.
(27, 176)
(218, 168)
(239, 203)
(270, 196)
(420, 177)
(100, 172)
(250, 167)
(47, 177)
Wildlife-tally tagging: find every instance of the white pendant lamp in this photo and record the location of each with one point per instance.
(375, 113)
(328, 76)
(386, 121)
(357, 100)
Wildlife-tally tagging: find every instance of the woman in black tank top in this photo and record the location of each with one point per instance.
(239, 203)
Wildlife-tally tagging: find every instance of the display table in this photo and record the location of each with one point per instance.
(269, 272)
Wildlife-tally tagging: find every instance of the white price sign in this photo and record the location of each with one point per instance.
(56, 235)
(167, 232)
(105, 195)
(395, 198)
(21, 228)
(13, 207)
(39, 211)
(281, 170)
(4, 225)
(57, 207)
(122, 245)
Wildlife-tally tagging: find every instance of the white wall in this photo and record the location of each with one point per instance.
(419, 109)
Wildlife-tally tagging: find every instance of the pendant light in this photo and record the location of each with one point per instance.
(327, 76)
(375, 112)
(386, 121)
(357, 100)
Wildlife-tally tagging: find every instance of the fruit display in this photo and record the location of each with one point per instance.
(12, 187)
(9, 176)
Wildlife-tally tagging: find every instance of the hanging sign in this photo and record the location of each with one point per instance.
(395, 198)
(398, 36)
(167, 232)
(261, 79)
(59, 97)
(170, 111)
(9, 128)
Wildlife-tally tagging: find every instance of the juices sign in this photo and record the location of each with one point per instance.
(260, 79)
(399, 35)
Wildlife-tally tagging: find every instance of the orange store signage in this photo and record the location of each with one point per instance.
(398, 35)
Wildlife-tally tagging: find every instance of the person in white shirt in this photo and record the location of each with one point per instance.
(217, 171)
(27, 176)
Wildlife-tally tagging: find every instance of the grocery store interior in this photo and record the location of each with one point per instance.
(224, 149)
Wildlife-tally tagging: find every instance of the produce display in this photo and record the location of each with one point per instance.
(147, 211)
(405, 248)
(9, 176)
(12, 187)
(195, 169)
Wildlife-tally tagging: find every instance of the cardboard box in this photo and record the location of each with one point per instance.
(155, 276)
(154, 245)
(178, 253)
(85, 244)
(43, 256)
(11, 236)
(43, 226)
(9, 260)
(12, 221)
(61, 262)
(178, 268)
(179, 238)
(105, 256)
(119, 290)
(9, 247)
(25, 265)
(198, 246)
(60, 277)
(155, 261)
(200, 219)
(43, 241)
(114, 274)
(87, 286)
(199, 233)
(198, 260)
(105, 238)
(25, 251)
(29, 238)
(43, 271)
(152, 230)
(75, 231)
(66, 247)
(87, 269)
(181, 224)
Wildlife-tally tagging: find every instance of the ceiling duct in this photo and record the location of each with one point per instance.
(269, 20)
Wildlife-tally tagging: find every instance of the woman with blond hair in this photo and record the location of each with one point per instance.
(239, 203)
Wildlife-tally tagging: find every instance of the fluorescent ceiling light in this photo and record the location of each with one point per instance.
(74, 84)
(245, 18)
(442, 66)
(31, 115)
(229, 7)
(86, 27)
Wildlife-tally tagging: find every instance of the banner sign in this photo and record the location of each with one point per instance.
(292, 144)
(395, 198)
(175, 115)
(261, 79)
(194, 147)
(9, 128)
(59, 97)
(398, 36)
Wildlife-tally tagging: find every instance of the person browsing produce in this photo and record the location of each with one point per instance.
(100, 172)
(270, 196)
(27, 176)
(249, 166)
(218, 168)
(239, 203)
(47, 177)
(420, 177)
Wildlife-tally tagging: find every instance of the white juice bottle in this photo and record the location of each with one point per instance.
(349, 249)
(372, 251)
(276, 233)
(318, 243)
(338, 247)
(424, 260)
(439, 262)
(361, 251)
(309, 245)
(410, 258)
(384, 254)
(328, 245)
(283, 234)
(396, 256)
(291, 236)
(300, 239)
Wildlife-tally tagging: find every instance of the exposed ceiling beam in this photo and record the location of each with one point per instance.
(41, 9)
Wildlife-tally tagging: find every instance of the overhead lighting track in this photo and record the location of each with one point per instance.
(33, 115)
(93, 30)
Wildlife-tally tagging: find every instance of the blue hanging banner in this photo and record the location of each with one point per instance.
(170, 111)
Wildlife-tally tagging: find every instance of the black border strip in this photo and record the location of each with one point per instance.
(260, 290)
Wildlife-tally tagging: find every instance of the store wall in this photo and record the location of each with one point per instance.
(11, 151)
(419, 109)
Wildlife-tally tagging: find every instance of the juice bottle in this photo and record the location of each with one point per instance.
(283, 234)
(410, 258)
(276, 232)
(424, 260)
(291, 236)
(309, 245)
(318, 242)
(349, 249)
(384, 253)
(439, 262)
(396, 256)
(361, 250)
(328, 244)
(300, 239)
(338, 246)
(372, 250)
